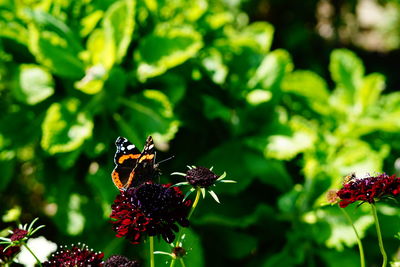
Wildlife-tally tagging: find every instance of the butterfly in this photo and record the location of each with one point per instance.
(133, 167)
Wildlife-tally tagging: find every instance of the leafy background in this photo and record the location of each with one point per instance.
(286, 102)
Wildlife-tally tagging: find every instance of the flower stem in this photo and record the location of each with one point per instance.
(151, 239)
(378, 232)
(178, 240)
(360, 246)
(196, 201)
(33, 254)
(182, 262)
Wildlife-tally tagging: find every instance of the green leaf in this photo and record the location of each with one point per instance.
(310, 86)
(148, 113)
(65, 128)
(214, 109)
(55, 53)
(247, 165)
(93, 81)
(214, 65)
(235, 221)
(258, 35)
(271, 70)
(165, 48)
(99, 179)
(89, 22)
(34, 84)
(341, 231)
(381, 117)
(286, 147)
(367, 95)
(118, 25)
(238, 250)
(101, 49)
(54, 45)
(334, 258)
(16, 30)
(347, 71)
(7, 165)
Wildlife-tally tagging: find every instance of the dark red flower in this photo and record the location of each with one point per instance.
(7, 255)
(18, 234)
(149, 209)
(120, 261)
(201, 176)
(368, 189)
(79, 255)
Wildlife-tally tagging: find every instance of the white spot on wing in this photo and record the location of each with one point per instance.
(151, 146)
(130, 147)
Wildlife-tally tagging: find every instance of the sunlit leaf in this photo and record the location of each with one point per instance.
(367, 95)
(56, 47)
(34, 84)
(271, 70)
(346, 69)
(309, 85)
(118, 24)
(286, 147)
(149, 113)
(65, 128)
(166, 48)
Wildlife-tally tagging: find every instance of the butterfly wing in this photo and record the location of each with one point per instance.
(146, 169)
(125, 159)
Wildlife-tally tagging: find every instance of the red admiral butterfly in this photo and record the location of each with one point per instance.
(132, 166)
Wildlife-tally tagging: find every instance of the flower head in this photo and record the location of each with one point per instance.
(120, 261)
(149, 209)
(201, 176)
(201, 179)
(18, 234)
(368, 189)
(178, 252)
(7, 254)
(79, 255)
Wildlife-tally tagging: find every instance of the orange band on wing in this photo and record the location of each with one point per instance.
(116, 180)
(129, 156)
(150, 156)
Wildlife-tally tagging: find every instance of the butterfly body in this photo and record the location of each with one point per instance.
(133, 167)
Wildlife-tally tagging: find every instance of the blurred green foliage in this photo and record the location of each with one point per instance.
(205, 83)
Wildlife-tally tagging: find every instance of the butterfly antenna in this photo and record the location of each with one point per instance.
(164, 160)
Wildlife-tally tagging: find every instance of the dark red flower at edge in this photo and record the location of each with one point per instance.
(8, 254)
(149, 209)
(368, 189)
(120, 261)
(79, 255)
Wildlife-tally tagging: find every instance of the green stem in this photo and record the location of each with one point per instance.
(151, 239)
(33, 254)
(196, 201)
(182, 262)
(378, 232)
(178, 240)
(151, 247)
(360, 246)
